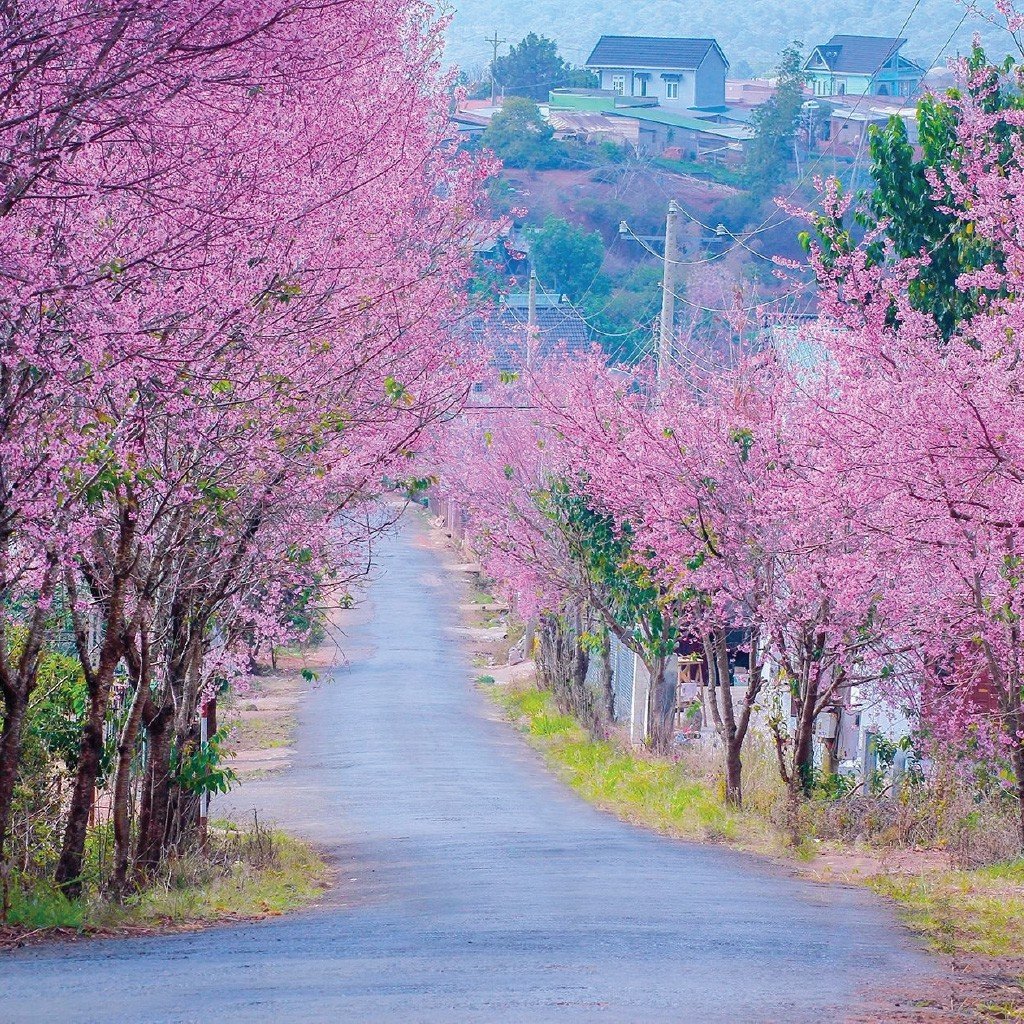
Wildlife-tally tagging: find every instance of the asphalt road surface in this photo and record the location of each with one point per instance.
(473, 887)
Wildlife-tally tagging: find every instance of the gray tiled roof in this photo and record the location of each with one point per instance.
(559, 328)
(859, 54)
(650, 52)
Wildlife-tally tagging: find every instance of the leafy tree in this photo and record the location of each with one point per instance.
(625, 310)
(775, 123)
(916, 217)
(912, 206)
(567, 258)
(533, 68)
(520, 137)
(643, 614)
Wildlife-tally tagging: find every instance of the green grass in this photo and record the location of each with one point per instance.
(979, 911)
(287, 874)
(41, 907)
(710, 172)
(650, 792)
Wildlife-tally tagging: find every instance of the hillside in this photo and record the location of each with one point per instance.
(751, 31)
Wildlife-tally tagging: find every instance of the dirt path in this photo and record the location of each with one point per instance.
(472, 886)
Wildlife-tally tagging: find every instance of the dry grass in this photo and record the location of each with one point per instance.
(241, 874)
(262, 732)
(977, 911)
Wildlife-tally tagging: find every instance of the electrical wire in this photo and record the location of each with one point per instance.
(767, 224)
(574, 307)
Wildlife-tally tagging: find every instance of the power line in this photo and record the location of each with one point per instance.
(766, 224)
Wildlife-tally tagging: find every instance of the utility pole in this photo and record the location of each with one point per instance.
(495, 43)
(666, 334)
(531, 319)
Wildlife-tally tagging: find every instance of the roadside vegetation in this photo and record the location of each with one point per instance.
(957, 910)
(237, 873)
(655, 793)
(977, 911)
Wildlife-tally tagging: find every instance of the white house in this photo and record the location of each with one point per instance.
(678, 73)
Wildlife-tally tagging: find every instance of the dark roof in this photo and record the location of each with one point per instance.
(651, 52)
(503, 330)
(859, 54)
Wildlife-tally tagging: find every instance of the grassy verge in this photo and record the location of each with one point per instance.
(646, 791)
(966, 912)
(979, 911)
(240, 876)
(265, 732)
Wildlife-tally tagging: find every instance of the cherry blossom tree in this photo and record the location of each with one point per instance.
(232, 320)
(922, 426)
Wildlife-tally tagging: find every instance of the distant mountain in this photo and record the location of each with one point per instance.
(752, 32)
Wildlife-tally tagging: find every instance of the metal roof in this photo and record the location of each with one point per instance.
(864, 55)
(739, 132)
(651, 52)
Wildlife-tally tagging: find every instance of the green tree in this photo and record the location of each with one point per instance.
(520, 137)
(775, 123)
(624, 593)
(567, 258)
(915, 217)
(625, 309)
(533, 68)
(914, 214)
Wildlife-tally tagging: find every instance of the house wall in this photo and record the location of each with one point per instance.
(824, 83)
(656, 85)
(886, 83)
(710, 88)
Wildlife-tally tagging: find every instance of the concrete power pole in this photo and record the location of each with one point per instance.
(666, 333)
(495, 43)
(531, 320)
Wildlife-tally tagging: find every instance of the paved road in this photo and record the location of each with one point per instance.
(474, 888)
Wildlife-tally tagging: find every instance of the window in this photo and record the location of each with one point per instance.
(671, 90)
(619, 84)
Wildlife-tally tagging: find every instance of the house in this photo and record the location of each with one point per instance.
(592, 126)
(862, 66)
(504, 330)
(677, 73)
(716, 134)
(842, 127)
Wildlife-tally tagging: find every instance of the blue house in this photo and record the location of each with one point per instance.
(862, 66)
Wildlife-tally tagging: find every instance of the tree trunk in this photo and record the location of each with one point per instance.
(69, 868)
(734, 773)
(16, 685)
(607, 676)
(122, 785)
(155, 792)
(731, 728)
(802, 775)
(661, 709)
(562, 665)
(1017, 759)
(15, 712)
(99, 681)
